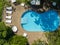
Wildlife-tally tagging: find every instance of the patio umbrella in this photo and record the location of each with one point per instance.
(14, 29)
(54, 3)
(25, 34)
(22, 4)
(33, 2)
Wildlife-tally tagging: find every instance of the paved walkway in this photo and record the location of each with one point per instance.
(16, 19)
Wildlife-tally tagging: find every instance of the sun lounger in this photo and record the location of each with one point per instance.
(13, 1)
(8, 21)
(8, 17)
(9, 10)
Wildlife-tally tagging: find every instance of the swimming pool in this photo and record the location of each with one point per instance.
(35, 22)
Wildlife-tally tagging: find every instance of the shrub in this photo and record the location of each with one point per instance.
(18, 40)
(53, 37)
(39, 42)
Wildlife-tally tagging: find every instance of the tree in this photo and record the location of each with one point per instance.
(57, 1)
(18, 40)
(9, 33)
(3, 31)
(2, 5)
(18, 1)
(2, 41)
(54, 37)
(1, 8)
(6, 43)
(7, 37)
(39, 42)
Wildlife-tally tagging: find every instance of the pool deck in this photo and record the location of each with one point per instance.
(16, 16)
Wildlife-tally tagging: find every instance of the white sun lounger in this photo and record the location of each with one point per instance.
(12, 1)
(8, 21)
(9, 10)
(9, 7)
(8, 17)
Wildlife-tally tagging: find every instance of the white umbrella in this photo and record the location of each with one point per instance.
(14, 29)
(22, 4)
(25, 34)
(54, 3)
(33, 2)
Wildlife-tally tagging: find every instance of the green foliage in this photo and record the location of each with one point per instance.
(8, 4)
(18, 1)
(27, 2)
(7, 37)
(18, 40)
(2, 41)
(2, 4)
(6, 43)
(5, 31)
(2, 26)
(53, 37)
(22, 1)
(57, 1)
(9, 33)
(2, 30)
(1, 9)
(39, 42)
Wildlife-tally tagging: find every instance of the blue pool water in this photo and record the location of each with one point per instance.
(59, 20)
(33, 21)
